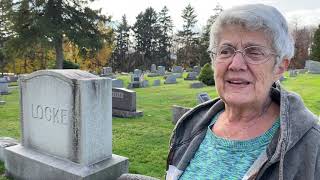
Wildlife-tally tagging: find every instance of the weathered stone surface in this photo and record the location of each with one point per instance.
(107, 70)
(313, 66)
(126, 114)
(66, 122)
(4, 86)
(178, 75)
(4, 143)
(117, 83)
(171, 79)
(293, 73)
(65, 106)
(161, 70)
(26, 164)
(302, 71)
(197, 69)
(11, 78)
(203, 97)
(153, 68)
(137, 72)
(156, 82)
(137, 80)
(177, 69)
(191, 76)
(123, 99)
(178, 112)
(145, 83)
(197, 85)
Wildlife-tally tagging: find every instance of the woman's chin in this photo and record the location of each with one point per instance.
(238, 99)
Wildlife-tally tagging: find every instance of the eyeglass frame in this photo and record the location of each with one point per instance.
(213, 55)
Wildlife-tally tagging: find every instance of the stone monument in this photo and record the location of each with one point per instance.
(117, 83)
(293, 73)
(177, 69)
(191, 76)
(313, 66)
(4, 89)
(107, 72)
(196, 69)
(171, 79)
(197, 85)
(137, 80)
(153, 68)
(124, 103)
(161, 70)
(66, 124)
(156, 82)
(203, 97)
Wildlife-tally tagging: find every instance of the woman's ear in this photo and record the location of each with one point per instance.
(280, 69)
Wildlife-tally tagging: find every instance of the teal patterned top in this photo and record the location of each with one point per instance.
(219, 158)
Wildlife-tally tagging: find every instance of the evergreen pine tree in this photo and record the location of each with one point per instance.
(315, 47)
(188, 39)
(52, 20)
(145, 31)
(165, 37)
(121, 45)
(204, 42)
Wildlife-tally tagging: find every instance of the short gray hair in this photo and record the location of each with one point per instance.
(254, 17)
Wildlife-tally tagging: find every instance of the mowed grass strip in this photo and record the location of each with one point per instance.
(145, 140)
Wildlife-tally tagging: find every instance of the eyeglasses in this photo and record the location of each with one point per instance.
(252, 54)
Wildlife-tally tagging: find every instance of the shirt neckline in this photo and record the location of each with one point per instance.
(239, 145)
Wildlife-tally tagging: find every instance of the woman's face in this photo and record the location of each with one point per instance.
(241, 83)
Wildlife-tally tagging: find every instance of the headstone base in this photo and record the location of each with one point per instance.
(4, 143)
(197, 85)
(153, 75)
(314, 72)
(178, 75)
(190, 79)
(126, 114)
(23, 163)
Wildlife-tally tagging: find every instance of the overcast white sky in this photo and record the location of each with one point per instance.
(307, 12)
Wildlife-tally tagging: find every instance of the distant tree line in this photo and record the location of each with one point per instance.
(37, 34)
(151, 40)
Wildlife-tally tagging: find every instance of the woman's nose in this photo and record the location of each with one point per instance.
(238, 62)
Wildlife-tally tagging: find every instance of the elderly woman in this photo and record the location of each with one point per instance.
(255, 129)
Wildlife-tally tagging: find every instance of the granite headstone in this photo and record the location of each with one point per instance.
(191, 76)
(124, 103)
(171, 79)
(66, 123)
(4, 86)
(203, 97)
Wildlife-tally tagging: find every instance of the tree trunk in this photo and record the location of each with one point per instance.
(25, 65)
(58, 44)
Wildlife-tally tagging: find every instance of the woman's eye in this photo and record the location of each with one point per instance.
(226, 51)
(255, 52)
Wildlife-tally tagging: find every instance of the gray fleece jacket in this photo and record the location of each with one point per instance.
(293, 153)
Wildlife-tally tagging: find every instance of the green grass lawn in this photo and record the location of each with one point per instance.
(145, 140)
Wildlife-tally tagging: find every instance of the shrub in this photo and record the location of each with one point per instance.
(70, 65)
(206, 75)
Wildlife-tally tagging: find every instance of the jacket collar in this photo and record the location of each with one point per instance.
(295, 121)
